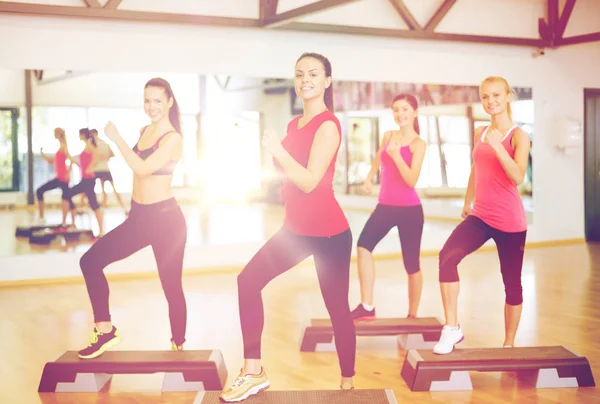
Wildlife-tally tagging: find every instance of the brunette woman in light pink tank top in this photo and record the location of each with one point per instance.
(401, 156)
(500, 158)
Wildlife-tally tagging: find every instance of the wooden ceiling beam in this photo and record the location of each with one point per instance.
(439, 15)
(406, 15)
(304, 11)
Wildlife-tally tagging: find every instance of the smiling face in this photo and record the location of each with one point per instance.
(495, 97)
(404, 113)
(156, 103)
(310, 79)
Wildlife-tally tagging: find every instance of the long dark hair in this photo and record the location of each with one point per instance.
(88, 136)
(328, 97)
(413, 103)
(174, 114)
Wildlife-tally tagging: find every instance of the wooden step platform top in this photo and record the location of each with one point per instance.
(494, 355)
(358, 396)
(116, 362)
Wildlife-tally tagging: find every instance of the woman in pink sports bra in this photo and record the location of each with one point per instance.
(401, 156)
(500, 158)
(155, 219)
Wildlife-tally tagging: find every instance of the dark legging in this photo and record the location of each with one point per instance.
(409, 221)
(161, 225)
(282, 252)
(86, 186)
(471, 234)
(53, 184)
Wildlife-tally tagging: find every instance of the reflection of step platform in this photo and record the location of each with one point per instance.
(358, 396)
(412, 333)
(184, 370)
(25, 231)
(46, 236)
(545, 367)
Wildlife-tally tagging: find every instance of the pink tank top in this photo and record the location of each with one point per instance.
(497, 199)
(60, 166)
(85, 158)
(394, 190)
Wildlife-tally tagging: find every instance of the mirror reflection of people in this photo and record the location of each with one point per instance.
(401, 157)
(500, 155)
(61, 178)
(102, 169)
(85, 161)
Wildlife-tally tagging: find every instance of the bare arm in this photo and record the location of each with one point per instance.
(171, 144)
(470, 193)
(72, 159)
(376, 163)
(515, 168)
(325, 144)
(411, 173)
(50, 160)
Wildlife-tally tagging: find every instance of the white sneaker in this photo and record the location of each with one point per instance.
(450, 337)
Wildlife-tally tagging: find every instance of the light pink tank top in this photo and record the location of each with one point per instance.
(394, 190)
(497, 199)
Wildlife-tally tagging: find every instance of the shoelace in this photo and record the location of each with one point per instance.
(238, 381)
(94, 338)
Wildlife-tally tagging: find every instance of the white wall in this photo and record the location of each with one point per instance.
(557, 79)
(115, 90)
(12, 88)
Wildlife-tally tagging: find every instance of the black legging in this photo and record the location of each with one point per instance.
(408, 219)
(280, 253)
(161, 225)
(86, 186)
(53, 184)
(471, 234)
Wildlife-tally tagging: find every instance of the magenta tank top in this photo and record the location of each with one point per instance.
(394, 190)
(497, 199)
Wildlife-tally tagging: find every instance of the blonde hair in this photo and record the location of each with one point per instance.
(60, 132)
(509, 90)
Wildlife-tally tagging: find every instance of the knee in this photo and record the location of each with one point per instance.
(448, 263)
(39, 193)
(412, 269)
(364, 246)
(85, 263)
(514, 295)
(88, 263)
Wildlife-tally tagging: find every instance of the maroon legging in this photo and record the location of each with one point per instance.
(471, 234)
(161, 225)
(283, 251)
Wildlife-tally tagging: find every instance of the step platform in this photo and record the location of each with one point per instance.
(358, 396)
(184, 370)
(412, 333)
(46, 236)
(544, 367)
(25, 231)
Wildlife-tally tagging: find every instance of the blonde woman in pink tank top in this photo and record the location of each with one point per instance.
(500, 158)
(401, 157)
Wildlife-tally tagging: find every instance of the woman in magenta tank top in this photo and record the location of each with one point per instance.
(314, 225)
(401, 156)
(61, 172)
(500, 158)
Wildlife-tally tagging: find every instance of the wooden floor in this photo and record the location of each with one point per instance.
(562, 305)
